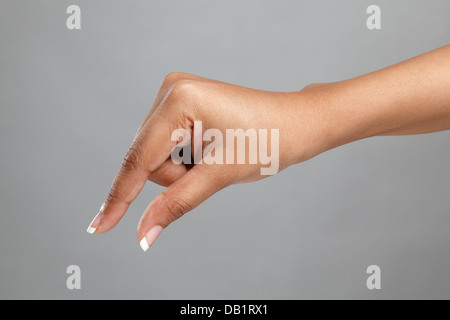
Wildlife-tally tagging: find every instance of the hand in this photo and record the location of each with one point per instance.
(184, 99)
(407, 98)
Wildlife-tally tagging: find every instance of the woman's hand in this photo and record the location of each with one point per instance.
(295, 131)
(407, 98)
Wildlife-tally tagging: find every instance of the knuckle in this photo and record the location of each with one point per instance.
(181, 88)
(172, 77)
(132, 159)
(116, 194)
(176, 208)
(112, 195)
(183, 94)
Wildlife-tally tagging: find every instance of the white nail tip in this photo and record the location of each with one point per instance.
(91, 230)
(144, 244)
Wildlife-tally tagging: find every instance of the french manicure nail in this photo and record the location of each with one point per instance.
(150, 237)
(96, 221)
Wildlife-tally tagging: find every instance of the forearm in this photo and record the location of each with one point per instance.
(410, 97)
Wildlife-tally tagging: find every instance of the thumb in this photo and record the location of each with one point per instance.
(194, 187)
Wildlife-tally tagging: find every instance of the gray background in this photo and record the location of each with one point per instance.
(71, 102)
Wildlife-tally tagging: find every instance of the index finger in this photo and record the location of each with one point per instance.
(151, 147)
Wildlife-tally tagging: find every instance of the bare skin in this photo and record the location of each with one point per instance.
(411, 97)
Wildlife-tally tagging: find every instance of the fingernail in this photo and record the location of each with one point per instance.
(150, 237)
(96, 222)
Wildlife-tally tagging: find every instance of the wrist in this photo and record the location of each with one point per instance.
(326, 120)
